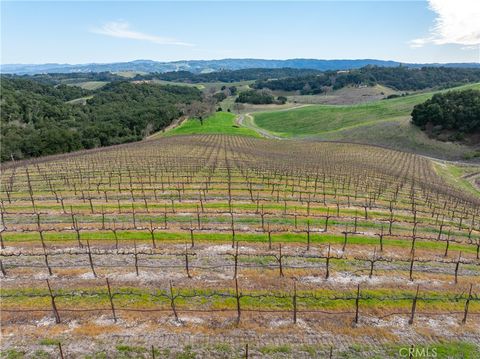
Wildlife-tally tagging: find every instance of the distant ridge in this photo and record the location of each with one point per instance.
(198, 66)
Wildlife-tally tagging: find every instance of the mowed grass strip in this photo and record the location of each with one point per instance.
(219, 123)
(226, 237)
(376, 300)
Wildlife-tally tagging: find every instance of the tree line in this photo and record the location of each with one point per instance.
(227, 75)
(37, 119)
(399, 78)
(259, 97)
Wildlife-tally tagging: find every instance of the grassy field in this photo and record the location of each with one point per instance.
(458, 176)
(130, 74)
(383, 122)
(80, 101)
(90, 85)
(219, 123)
(344, 96)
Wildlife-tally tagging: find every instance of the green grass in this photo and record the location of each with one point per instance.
(227, 237)
(453, 174)
(80, 100)
(90, 85)
(327, 118)
(382, 122)
(272, 349)
(219, 123)
(12, 354)
(49, 341)
(224, 298)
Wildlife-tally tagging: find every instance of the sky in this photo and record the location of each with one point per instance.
(76, 32)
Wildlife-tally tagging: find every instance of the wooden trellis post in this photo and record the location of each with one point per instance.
(457, 266)
(233, 230)
(327, 264)
(237, 297)
(91, 205)
(412, 260)
(110, 297)
(135, 256)
(60, 350)
(235, 257)
(192, 239)
(90, 259)
(54, 306)
(414, 237)
(414, 306)
(44, 247)
(294, 301)
(467, 303)
(45, 254)
(357, 300)
(187, 267)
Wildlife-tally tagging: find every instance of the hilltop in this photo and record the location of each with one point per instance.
(199, 66)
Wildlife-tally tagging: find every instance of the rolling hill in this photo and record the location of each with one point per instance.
(382, 122)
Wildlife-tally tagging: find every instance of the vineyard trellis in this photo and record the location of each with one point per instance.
(236, 226)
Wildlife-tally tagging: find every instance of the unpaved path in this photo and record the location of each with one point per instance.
(247, 120)
(248, 123)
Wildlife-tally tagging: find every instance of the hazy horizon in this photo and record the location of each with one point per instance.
(232, 58)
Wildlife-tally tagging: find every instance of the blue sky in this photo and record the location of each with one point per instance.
(94, 31)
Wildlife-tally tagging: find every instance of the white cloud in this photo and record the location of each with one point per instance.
(122, 30)
(457, 22)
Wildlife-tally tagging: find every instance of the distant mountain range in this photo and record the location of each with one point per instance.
(202, 66)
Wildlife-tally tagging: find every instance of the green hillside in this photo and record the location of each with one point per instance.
(218, 123)
(383, 122)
